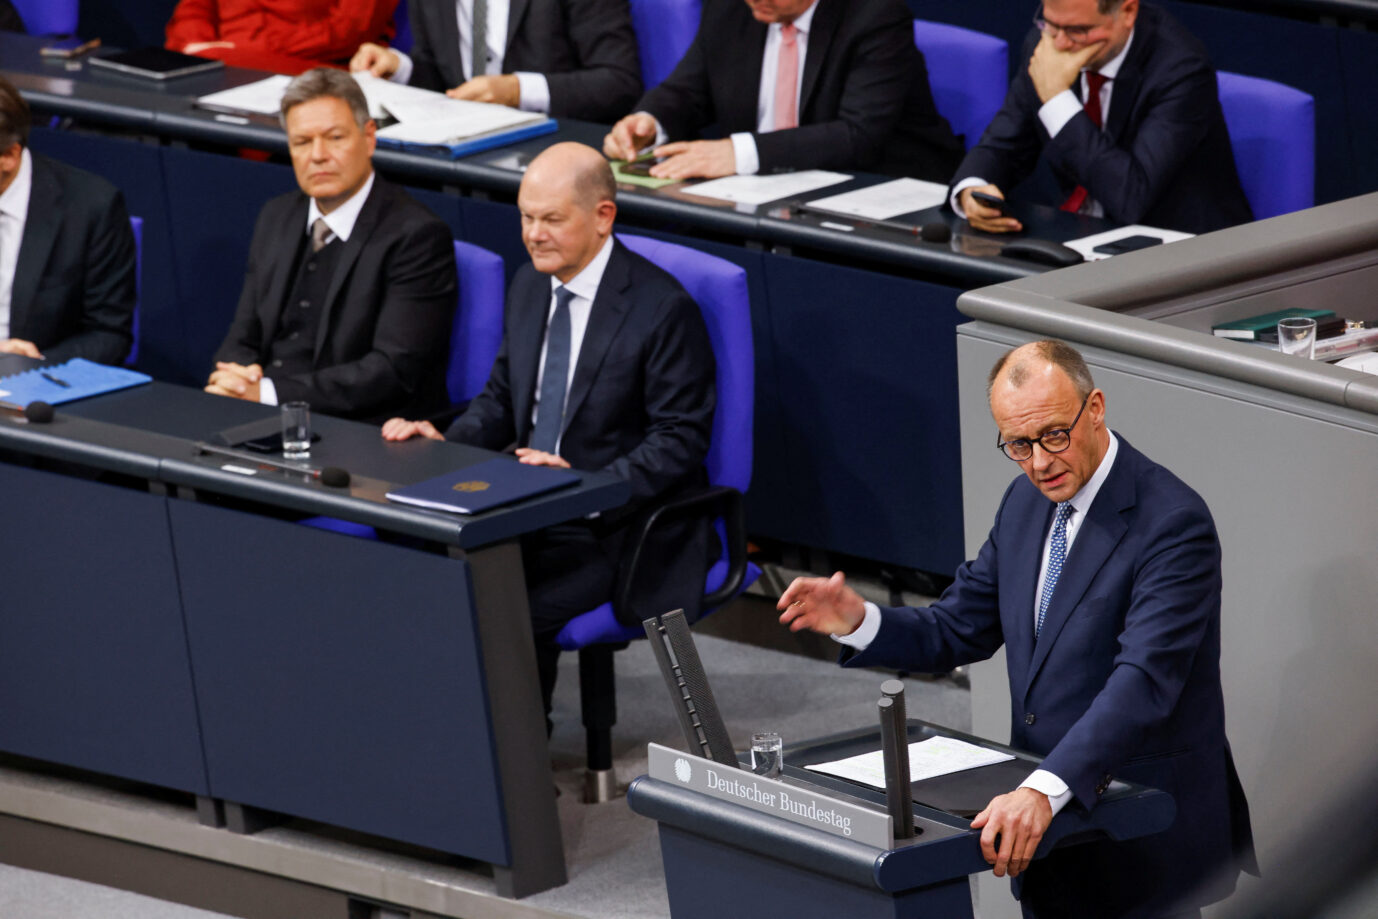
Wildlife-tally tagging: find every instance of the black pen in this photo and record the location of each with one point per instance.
(52, 379)
(884, 224)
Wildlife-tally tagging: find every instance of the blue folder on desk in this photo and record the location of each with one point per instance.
(82, 378)
(486, 485)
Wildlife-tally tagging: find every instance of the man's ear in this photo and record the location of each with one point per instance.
(604, 215)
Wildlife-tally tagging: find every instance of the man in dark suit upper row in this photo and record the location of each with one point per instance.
(1121, 102)
(66, 253)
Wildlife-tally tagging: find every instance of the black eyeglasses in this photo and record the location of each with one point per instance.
(1054, 441)
(1075, 34)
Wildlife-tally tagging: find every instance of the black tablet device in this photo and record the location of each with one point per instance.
(155, 63)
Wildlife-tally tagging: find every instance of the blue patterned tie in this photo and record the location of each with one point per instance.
(1057, 554)
(551, 412)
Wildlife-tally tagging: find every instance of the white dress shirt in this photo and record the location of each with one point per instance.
(341, 223)
(1040, 779)
(535, 90)
(748, 159)
(584, 286)
(1055, 113)
(14, 213)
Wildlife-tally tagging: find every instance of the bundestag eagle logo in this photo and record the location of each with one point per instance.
(471, 486)
(683, 771)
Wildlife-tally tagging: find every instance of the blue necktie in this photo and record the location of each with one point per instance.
(1057, 554)
(551, 412)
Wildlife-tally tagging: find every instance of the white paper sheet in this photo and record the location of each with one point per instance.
(439, 119)
(761, 189)
(886, 200)
(262, 97)
(1087, 244)
(927, 759)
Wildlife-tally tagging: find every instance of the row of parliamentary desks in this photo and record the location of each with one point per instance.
(169, 620)
(853, 328)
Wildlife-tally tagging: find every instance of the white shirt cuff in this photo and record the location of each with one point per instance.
(865, 633)
(957, 190)
(1044, 781)
(404, 68)
(744, 149)
(535, 91)
(267, 391)
(1059, 110)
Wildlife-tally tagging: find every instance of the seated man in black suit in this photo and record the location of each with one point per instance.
(569, 58)
(605, 364)
(66, 253)
(796, 84)
(350, 290)
(1148, 145)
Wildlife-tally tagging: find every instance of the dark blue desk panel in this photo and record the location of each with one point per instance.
(341, 680)
(93, 655)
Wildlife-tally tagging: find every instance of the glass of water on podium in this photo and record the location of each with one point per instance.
(766, 756)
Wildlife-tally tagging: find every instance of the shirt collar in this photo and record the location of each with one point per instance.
(1111, 68)
(585, 283)
(342, 219)
(803, 21)
(1083, 499)
(15, 200)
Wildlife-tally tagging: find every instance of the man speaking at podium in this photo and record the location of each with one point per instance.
(1101, 576)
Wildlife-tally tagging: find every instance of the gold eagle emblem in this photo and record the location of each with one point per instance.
(471, 486)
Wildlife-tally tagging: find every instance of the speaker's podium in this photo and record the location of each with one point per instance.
(813, 845)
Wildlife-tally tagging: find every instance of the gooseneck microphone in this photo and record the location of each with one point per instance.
(332, 476)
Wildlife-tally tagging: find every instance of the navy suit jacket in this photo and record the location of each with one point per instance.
(1123, 681)
(640, 405)
(585, 48)
(73, 293)
(383, 336)
(864, 102)
(1164, 158)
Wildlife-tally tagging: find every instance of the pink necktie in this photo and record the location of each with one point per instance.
(787, 79)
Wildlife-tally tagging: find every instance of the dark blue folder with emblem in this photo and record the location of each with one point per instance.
(489, 484)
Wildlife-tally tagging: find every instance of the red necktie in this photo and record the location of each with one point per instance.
(787, 79)
(1091, 106)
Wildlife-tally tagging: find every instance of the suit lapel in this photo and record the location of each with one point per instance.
(447, 45)
(745, 68)
(827, 19)
(40, 233)
(1096, 540)
(290, 238)
(610, 308)
(516, 10)
(1124, 94)
(524, 351)
(1027, 551)
(369, 217)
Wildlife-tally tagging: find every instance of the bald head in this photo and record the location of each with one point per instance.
(1018, 365)
(567, 207)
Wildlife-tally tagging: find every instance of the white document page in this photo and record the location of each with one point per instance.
(260, 98)
(886, 200)
(760, 189)
(927, 759)
(438, 119)
(1087, 244)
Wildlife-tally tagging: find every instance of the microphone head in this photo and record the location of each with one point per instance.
(38, 412)
(936, 232)
(334, 476)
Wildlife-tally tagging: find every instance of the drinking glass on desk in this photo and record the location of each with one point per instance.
(296, 430)
(766, 754)
(1297, 336)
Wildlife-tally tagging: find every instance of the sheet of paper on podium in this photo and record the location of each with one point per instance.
(760, 189)
(927, 759)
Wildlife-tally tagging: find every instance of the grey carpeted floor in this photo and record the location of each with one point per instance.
(613, 855)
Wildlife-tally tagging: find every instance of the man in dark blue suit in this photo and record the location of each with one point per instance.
(1121, 102)
(621, 353)
(1101, 576)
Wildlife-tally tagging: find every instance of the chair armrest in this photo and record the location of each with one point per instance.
(719, 500)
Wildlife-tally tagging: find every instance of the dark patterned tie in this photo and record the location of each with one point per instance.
(1057, 554)
(320, 234)
(555, 377)
(478, 57)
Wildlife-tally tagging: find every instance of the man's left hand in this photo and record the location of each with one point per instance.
(696, 159)
(20, 346)
(235, 380)
(500, 89)
(540, 458)
(1020, 819)
(1054, 71)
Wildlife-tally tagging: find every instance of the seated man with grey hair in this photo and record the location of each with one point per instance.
(351, 283)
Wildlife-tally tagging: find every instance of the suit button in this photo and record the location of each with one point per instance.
(1030, 718)
(277, 363)
(305, 304)
(310, 266)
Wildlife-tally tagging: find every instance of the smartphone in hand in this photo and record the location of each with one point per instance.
(989, 200)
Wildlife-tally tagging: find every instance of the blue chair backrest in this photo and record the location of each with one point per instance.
(968, 73)
(402, 40)
(476, 333)
(1273, 132)
(664, 30)
(137, 225)
(48, 17)
(719, 288)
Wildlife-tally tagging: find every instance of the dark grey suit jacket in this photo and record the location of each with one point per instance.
(74, 291)
(585, 48)
(383, 336)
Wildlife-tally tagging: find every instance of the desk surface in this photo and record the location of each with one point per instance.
(130, 103)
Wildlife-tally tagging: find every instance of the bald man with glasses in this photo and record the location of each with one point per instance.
(1120, 103)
